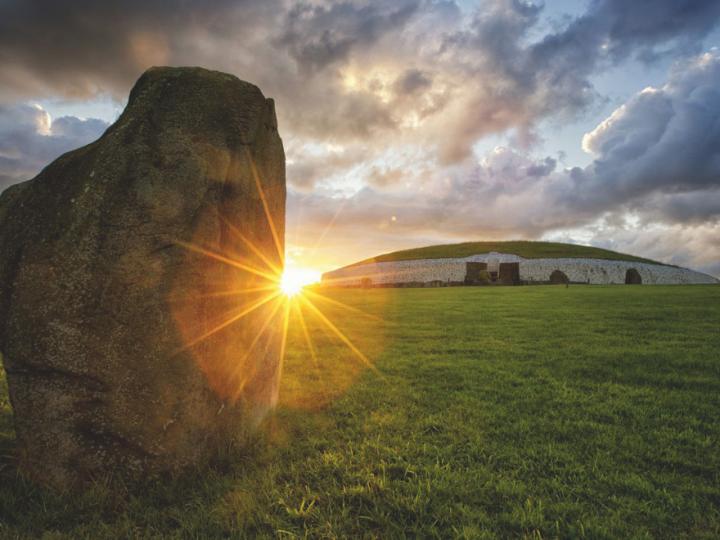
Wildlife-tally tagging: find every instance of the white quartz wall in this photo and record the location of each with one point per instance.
(422, 270)
(600, 271)
(594, 271)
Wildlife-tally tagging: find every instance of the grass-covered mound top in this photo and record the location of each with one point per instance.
(523, 248)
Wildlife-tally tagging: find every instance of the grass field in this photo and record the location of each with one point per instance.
(523, 248)
(539, 412)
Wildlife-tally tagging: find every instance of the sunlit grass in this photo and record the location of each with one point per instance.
(501, 412)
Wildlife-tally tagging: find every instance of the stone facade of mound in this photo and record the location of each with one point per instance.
(453, 271)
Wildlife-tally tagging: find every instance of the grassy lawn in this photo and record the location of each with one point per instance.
(539, 412)
(523, 248)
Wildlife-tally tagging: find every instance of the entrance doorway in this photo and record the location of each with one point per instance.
(632, 277)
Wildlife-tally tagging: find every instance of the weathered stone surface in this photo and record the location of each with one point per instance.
(103, 299)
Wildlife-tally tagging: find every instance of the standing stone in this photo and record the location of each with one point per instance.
(125, 269)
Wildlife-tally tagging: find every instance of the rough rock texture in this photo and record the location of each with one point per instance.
(104, 297)
(454, 270)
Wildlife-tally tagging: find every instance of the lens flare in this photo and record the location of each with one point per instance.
(293, 280)
(253, 282)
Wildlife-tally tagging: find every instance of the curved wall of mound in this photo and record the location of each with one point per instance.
(453, 271)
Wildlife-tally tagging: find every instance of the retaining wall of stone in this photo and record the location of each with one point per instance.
(593, 271)
(599, 271)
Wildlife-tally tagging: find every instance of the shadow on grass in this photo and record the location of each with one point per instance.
(240, 491)
(237, 492)
(243, 491)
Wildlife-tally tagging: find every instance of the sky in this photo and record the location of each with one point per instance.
(416, 122)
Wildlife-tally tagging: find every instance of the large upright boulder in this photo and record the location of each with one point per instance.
(138, 318)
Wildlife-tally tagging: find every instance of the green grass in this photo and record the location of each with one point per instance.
(538, 412)
(523, 248)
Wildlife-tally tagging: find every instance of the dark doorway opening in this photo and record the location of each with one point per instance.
(558, 277)
(632, 277)
(510, 273)
(473, 271)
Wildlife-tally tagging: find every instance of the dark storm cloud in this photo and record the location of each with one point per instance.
(520, 83)
(489, 76)
(641, 28)
(411, 81)
(663, 142)
(317, 36)
(29, 140)
(696, 207)
(612, 30)
(79, 47)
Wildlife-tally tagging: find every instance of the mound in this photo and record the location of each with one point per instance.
(523, 248)
(508, 263)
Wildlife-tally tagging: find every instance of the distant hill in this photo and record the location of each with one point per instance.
(523, 248)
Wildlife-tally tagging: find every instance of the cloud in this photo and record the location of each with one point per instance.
(653, 188)
(660, 151)
(77, 48)
(308, 164)
(544, 168)
(30, 139)
(317, 36)
(350, 69)
(650, 29)
(514, 83)
(381, 178)
(693, 246)
(382, 104)
(411, 81)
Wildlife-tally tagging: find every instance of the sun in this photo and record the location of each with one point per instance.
(276, 292)
(293, 280)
